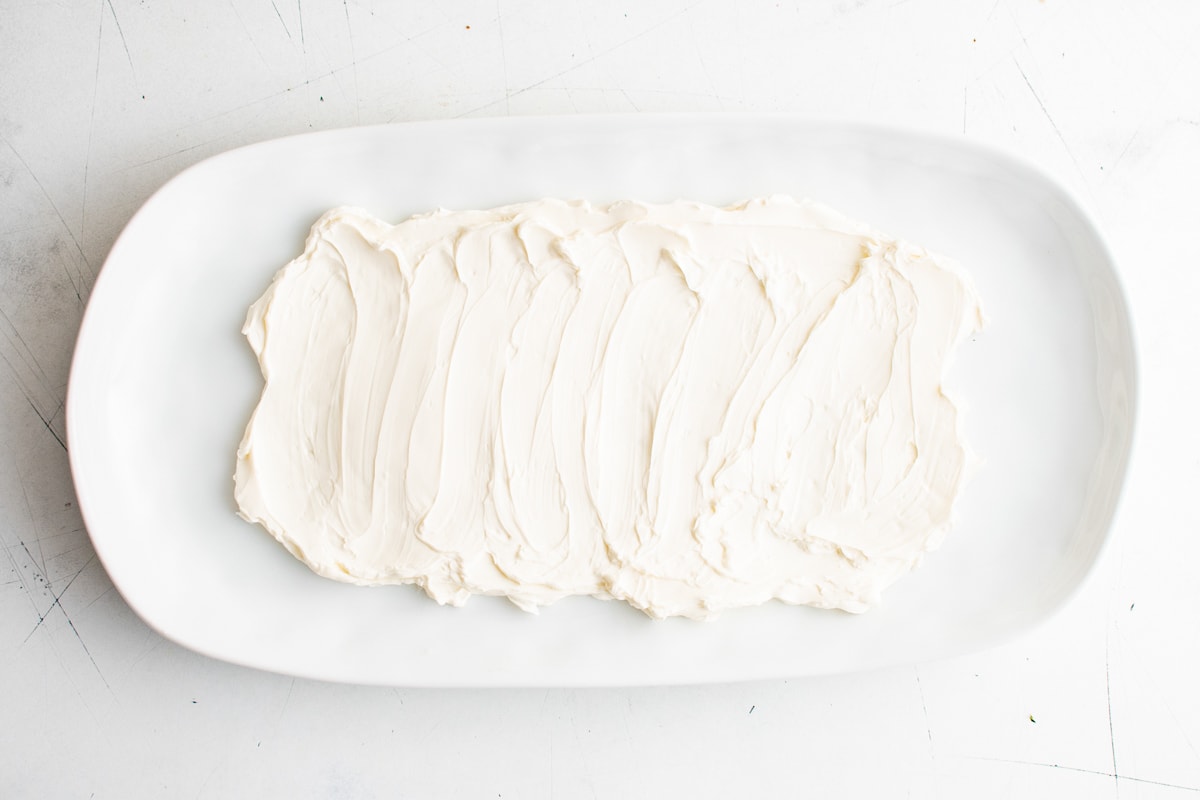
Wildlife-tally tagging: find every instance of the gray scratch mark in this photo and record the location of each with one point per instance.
(76, 278)
(431, 55)
(281, 22)
(32, 380)
(665, 92)
(924, 711)
(550, 764)
(587, 40)
(58, 598)
(99, 597)
(246, 30)
(1137, 132)
(1167, 704)
(630, 742)
(330, 73)
(704, 65)
(594, 58)
(29, 591)
(81, 543)
(29, 228)
(42, 616)
(1017, 24)
(670, 93)
(300, 14)
(878, 52)
(1112, 740)
(353, 59)
(83, 700)
(991, 13)
(87, 159)
(46, 422)
(1182, 730)
(50, 200)
(224, 136)
(503, 58)
(211, 772)
(155, 643)
(341, 87)
(26, 355)
(579, 748)
(629, 100)
(33, 523)
(173, 153)
(88, 652)
(20, 383)
(39, 573)
(274, 729)
(125, 44)
(1049, 119)
(286, 700)
(1101, 773)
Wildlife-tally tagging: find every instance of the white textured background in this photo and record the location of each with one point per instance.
(101, 102)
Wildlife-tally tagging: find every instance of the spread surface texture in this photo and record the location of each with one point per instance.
(687, 408)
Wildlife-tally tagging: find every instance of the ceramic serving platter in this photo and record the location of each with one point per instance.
(163, 383)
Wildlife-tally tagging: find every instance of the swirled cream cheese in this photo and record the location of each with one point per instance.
(683, 407)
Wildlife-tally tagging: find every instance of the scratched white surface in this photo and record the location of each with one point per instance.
(101, 102)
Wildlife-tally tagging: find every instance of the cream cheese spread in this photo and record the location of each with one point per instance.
(683, 407)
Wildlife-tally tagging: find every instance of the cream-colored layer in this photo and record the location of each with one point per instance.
(683, 407)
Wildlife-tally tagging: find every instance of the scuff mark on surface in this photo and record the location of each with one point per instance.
(1117, 778)
(286, 700)
(100, 596)
(1116, 162)
(704, 67)
(36, 532)
(503, 58)
(124, 43)
(58, 599)
(155, 643)
(50, 200)
(281, 22)
(353, 60)
(29, 376)
(1112, 741)
(924, 710)
(87, 159)
(46, 422)
(586, 61)
(1046, 112)
(249, 36)
(87, 652)
(30, 591)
